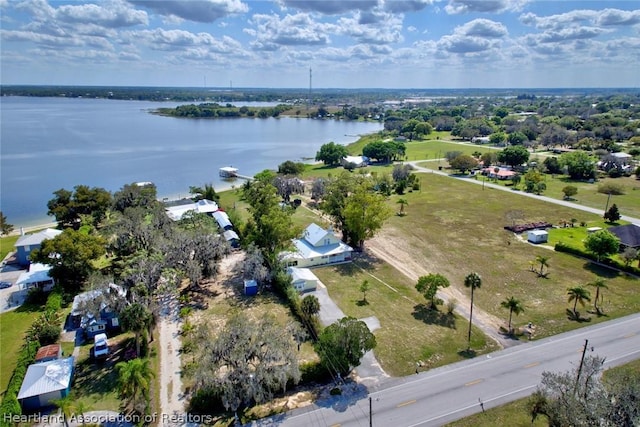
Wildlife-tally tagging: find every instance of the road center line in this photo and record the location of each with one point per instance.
(531, 365)
(478, 381)
(400, 405)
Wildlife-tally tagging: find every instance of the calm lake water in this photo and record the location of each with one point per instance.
(53, 143)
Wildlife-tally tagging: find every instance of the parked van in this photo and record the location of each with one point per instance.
(100, 346)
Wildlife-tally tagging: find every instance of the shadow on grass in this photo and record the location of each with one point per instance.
(576, 317)
(362, 303)
(468, 353)
(433, 317)
(601, 271)
(99, 378)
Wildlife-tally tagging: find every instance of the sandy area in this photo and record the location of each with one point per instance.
(171, 397)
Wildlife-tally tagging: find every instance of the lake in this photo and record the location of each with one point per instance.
(53, 143)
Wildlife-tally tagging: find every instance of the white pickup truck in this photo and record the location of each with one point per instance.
(100, 346)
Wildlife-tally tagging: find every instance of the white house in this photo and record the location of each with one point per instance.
(36, 276)
(317, 246)
(303, 279)
(537, 236)
(201, 206)
(358, 161)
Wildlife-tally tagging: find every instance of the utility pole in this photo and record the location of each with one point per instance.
(584, 351)
(370, 413)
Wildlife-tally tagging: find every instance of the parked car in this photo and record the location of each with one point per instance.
(100, 346)
(5, 285)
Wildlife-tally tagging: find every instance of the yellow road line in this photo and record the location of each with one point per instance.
(531, 365)
(400, 405)
(474, 382)
(629, 335)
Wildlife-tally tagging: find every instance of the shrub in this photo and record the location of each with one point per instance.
(314, 372)
(49, 334)
(612, 188)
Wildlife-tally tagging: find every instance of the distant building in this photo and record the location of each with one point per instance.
(28, 242)
(537, 236)
(358, 161)
(201, 206)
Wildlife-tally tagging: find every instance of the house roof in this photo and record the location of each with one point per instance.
(538, 232)
(222, 219)
(46, 377)
(306, 251)
(201, 206)
(95, 293)
(48, 351)
(37, 238)
(230, 235)
(37, 273)
(314, 234)
(298, 274)
(629, 234)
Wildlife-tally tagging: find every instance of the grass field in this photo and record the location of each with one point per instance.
(13, 326)
(409, 332)
(454, 228)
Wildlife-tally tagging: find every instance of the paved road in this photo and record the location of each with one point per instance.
(455, 391)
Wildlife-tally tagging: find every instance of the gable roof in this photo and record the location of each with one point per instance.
(46, 377)
(314, 234)
(304, 274)
(201, 206)
(37, 238)
(629, 234)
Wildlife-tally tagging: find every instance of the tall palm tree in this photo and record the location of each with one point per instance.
(473, 281)
(136, 317)
(514, 306)
(310, 305)
(578, 295)
(598, 284)
(402, 203)
(134, 380)
(544, 262)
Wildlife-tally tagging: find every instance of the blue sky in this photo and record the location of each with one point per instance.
(347, 43)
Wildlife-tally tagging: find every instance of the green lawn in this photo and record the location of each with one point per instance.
(7, 245)
(409, 332)
(454, 228)
(13, 326)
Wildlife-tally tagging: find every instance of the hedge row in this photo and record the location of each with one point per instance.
(562, 247)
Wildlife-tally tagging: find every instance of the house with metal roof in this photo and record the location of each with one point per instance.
(28, 242)
(45, 382)
(317, 246)
(303, 279)
(201, 206)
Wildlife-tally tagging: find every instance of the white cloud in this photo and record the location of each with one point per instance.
(482, 28)
(606, 17)
(387, 28)
(170, 40)
(329, 7)
(484, 6)
(273, 31)
(404, 6)
(197, 10)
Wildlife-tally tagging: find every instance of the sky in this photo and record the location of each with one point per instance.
(322, 43)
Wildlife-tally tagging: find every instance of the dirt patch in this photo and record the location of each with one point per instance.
(398, 252)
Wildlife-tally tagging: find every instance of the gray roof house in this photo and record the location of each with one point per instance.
(28, 242)
(45, 382)
(629, 235)
(317, 246)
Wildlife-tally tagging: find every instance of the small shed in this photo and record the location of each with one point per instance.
(232, 238)
(48, 352)
(537, 236)
(222, 219)
(45, 382)
(250, 287)
(303, 279)
(591, 230)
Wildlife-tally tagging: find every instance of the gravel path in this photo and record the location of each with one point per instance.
(171, 396)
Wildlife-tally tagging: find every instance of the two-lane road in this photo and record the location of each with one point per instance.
(452, 392)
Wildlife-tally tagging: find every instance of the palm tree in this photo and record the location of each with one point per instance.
(66, 406)
(79, 409)
(134, 380)
(598, 284)
(578, 295)
(137, 318)
(544, 262)
(473, 281)
(310, 305)
(514, 306)
(402, 203)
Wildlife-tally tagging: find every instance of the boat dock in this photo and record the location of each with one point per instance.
(229, 172)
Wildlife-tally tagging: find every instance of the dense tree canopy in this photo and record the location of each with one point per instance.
(514, 156)
(71, 256)
(342, 344)
(331, 153)
(579, 165)
(602, 243)
(69, 206)
(247, 361)
(384, 151)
